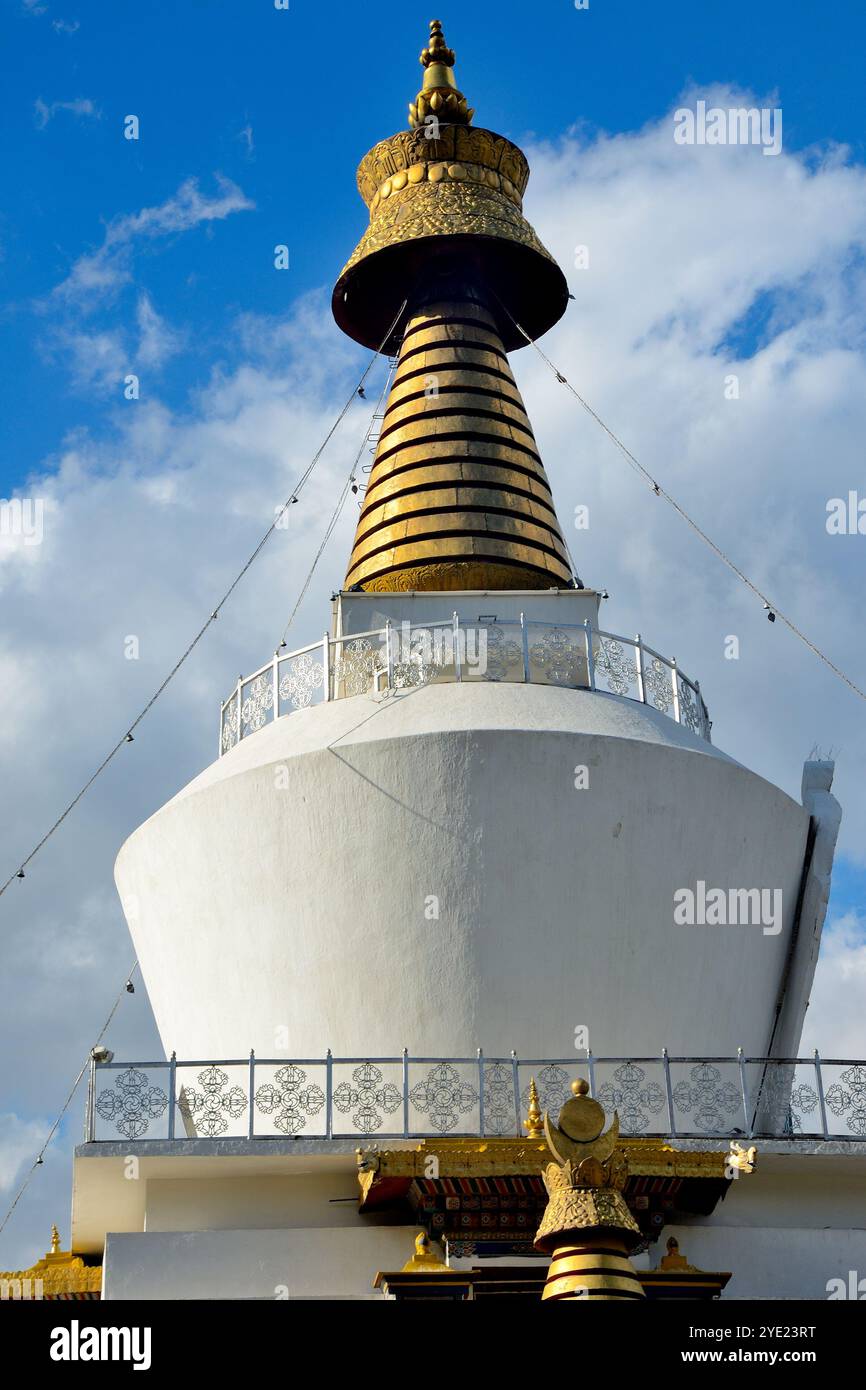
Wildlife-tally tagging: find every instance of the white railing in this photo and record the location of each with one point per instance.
(577, 656)
(415, 1097)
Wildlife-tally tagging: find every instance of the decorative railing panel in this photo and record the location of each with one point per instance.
(707, 1098)
(290, 1098)
(844, 1098)
(635, 1090)
(395, 658)
(404, 1097)
(368, 1098)
(132, 1102)
(212, 1102)
(617, 669)
(784, 1098)
(444, 1097)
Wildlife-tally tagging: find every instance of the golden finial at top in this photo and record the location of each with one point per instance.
(55, 1240)
(439, 102)
(437, 52)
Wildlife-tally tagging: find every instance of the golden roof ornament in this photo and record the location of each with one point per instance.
(742, 1160)
(457, 497)
(587, 1227)
(58, 1275)
(439, 99)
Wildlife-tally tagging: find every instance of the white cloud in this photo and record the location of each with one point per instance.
(93, 360)
(157, 341)
(102, 272)
(81, 106)
(834, 1022)
(20, 1141)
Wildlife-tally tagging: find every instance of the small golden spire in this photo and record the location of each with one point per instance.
(438, 52)
(55, 1239)
(439, 99)
(425, 1257)
(534, 1122)
(673, 1259)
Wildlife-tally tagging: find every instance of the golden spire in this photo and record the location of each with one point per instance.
(438, 98)
(426, 1257)
(55, 1239)
(457, 496)
(534, 1122)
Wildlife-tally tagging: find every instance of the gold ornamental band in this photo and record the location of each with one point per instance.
(439, 525)
(461, 319)
(479, 423)
(459, 429)
(450, 499)
(445, 576)
(433, 357)
(440, 171)
(449, 471)
(468, 547)
(487, 447)
(455, 377)
(456, 399)
(468, 144)
(578, 1272)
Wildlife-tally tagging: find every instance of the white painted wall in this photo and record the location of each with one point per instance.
(255, 907)
(257, 1202)
(790, 1263)
(327, 1263)
(767, 1262)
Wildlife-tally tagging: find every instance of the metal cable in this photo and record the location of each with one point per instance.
(53, 1130)
(339, 507)
(293, 497)
(662, 492)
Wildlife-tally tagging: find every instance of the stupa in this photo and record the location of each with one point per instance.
(450, 849)
(430, 848)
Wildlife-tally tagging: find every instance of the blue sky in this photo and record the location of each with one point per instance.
(252, 123)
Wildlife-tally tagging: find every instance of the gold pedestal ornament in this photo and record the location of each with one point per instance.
(458, 497)
(587, 1227)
